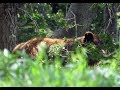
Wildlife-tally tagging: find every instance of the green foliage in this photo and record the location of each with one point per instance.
(108, 43)
(55, 49)
(93, 52)
(42, 48)
(118, 21)
(98, 22)
(34, 73)
(37, 20)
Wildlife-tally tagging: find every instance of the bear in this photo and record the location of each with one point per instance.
(31, 46)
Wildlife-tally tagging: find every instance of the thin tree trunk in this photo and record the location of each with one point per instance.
(110, 19)
(80, 15)
(8, 19)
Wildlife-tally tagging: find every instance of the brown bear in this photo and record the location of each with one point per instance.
(31, 48)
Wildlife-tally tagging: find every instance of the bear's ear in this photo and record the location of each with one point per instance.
(89, 37)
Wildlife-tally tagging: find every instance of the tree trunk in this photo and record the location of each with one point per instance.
(80, 15)
(8, 19)
(110, 19)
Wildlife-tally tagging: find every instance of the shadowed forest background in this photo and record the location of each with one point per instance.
(20, 22)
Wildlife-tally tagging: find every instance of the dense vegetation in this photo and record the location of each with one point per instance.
(40, 20)
(42, 73)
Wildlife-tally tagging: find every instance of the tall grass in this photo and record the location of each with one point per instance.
(14, 72)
